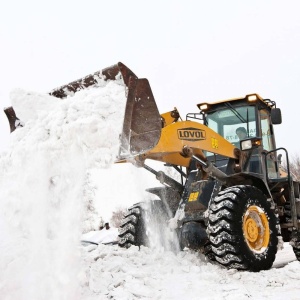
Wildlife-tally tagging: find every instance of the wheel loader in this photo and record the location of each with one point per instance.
(234, 200)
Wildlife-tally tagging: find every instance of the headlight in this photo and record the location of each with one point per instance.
(246, 145)
(252, 97)
(203, 106)
(250, 143)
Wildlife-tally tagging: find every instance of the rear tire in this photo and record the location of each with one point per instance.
(242, 229)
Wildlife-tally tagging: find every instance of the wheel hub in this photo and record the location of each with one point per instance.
(256, 228)
(251, 230)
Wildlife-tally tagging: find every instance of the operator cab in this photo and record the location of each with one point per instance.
(247, 123)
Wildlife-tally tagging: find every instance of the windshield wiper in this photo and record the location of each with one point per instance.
(236, 113)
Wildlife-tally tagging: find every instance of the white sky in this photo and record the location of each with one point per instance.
(191, 51)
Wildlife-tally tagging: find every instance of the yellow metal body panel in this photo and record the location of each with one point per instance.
(188, 133)
(170, 117)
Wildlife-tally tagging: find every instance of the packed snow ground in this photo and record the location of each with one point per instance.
(114, 273)
(56, 172)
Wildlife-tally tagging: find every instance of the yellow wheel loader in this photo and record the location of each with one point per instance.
(234, 200)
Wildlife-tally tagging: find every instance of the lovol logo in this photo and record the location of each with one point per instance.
(191, 134)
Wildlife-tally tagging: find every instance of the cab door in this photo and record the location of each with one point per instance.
(268, 143)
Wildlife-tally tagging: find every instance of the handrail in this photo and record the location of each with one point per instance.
(290, 184)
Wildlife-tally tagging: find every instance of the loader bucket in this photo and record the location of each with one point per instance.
(142, 121)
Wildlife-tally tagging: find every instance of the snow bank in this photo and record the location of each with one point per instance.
(44, 182)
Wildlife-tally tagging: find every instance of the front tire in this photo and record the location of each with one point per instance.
(145, 224)
(133, 227)
(242, 229)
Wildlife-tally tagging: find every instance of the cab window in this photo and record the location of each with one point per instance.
(226, 122)
(266, 130)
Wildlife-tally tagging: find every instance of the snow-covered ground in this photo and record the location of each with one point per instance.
(58, 177)
(114, 273)
(104, 236)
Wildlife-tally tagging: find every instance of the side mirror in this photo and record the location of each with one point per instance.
(276, 116)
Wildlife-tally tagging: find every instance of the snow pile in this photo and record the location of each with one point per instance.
(89, 122)
(104, 236)
(44, 182)
(123, 274)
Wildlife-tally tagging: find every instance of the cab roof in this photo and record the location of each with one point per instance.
(250, 98)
